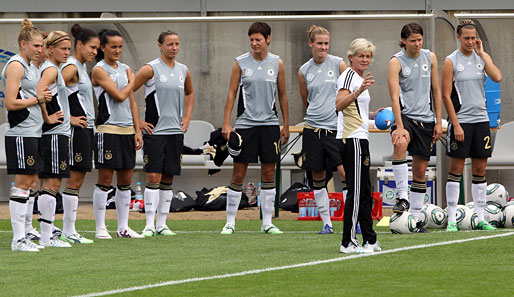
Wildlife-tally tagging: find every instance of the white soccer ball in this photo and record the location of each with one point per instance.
(437, 217)
(465, 218)
(508, 214)
(423, 218)
(402, 223)
(497, 194)
(494, 215)
(470, 205)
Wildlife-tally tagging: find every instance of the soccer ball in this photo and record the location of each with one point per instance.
(508, 214)
(465, 218)
(423, 218)
(470, 205)
(494, 215)
(401, 223)
(497, 194)
(437, 217)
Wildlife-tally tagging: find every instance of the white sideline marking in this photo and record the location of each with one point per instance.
(257, 271)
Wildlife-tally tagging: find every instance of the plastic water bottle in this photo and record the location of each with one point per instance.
(139, 192)
(139, 200)
(259, 200)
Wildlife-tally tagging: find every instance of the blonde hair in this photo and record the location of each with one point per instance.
(316, 30)
(28, 31)
(360, 45)
(54, 38)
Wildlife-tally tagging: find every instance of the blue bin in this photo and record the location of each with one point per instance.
(493, 101)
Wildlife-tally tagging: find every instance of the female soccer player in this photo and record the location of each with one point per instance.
(353, 100)
(169, 98)
(118, 136)
(23, 131)
(469, 135)
(413, 81)
(54, 143)
(82, 111)
(259, 75)
(317, 79)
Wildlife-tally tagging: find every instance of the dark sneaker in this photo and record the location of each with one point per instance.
(420, 229)
(401, 205)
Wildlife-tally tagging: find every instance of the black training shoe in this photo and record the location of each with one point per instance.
(401, 205)
(420, 229)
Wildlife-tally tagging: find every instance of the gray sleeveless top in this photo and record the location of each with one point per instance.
(415, 86)
(164, 97)
(59, 103)
(257, 91)
(468, 82)
(28, 121)
(111, 111)
(80, 95)
(321, 82)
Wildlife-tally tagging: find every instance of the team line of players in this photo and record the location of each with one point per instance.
(50, 130)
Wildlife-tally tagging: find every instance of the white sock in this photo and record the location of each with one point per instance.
(17, 211)
(99, 205)
(401, 177)
(29, 214)
(323, 204)
(163, 209)
(478, 191)
(46, 205)
(70, 204)
(452, 198)
(233, 200)
(151, 201)
(122, 201)
(267, 205)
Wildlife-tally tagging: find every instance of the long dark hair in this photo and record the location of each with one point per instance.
(82, 34)
(407, 30)
(104, 34)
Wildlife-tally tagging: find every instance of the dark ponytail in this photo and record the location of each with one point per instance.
(82, 34)
(104, 34)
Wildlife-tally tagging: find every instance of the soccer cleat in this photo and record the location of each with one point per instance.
(102, 233)
(373, 247)
(228, 229)
(56, 232)
(484, 225)
(33, 244)
(33, 234)
(401, 205)
(420, 229)
(164, 230)
(76, 238)
(22, 246)
(452, 227)
(326, 230)
(358, 229)
(55, 242)
(353, 249)
(271, 229)
(149, 231)
(128, 233)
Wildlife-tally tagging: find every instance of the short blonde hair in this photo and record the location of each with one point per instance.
(360, 45)
(316, 30)
(54, 38)
(28, 31)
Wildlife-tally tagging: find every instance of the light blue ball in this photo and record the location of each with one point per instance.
(384, 119)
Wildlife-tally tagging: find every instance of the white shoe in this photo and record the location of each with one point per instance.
(149, 231)
(33, 244)
(76, 238)
(353, 249)
(22, 246)
(33, 234)
(55, 242)
(228, 229)
(164, 230)
(373, 247)
(128, 233)
(102, 233)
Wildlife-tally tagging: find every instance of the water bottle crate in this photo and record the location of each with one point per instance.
(308, 210)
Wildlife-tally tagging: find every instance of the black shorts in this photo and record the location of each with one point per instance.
(421, 136)
(320, 150)
(22, 154)
(81, 149)
(476, 144)
(115, 151)
(163, 153)
(260, 143)
(55, 155)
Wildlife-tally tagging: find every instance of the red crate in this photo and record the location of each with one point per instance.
(309, 212)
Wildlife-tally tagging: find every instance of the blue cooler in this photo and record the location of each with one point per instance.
(493, 101)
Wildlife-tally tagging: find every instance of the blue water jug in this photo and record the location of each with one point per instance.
(493, 101)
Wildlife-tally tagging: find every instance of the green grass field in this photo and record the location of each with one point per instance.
(475, 268)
